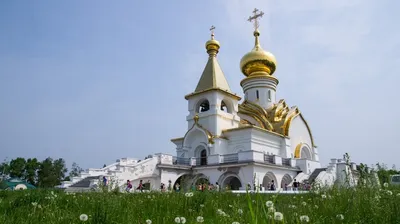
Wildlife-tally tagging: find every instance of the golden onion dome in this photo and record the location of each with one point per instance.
(258, 60)
(212, 46)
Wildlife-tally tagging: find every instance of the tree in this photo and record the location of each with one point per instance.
(51, 173)
(104, 165)
(45, 173)
(75, 171)
(59, 171)
(17, 167)
(31, 168)
(3, 185)
(384, 173)
(4, 169)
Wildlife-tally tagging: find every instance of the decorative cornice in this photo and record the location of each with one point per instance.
(213, 89)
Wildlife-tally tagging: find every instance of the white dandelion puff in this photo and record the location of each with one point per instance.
(177, 220)
(200, 219)
(183, 220)
(385, 184)
(148, 221)
(304, 218)
(278, 216)
(269, 204)
(340, 217)
(83, 217)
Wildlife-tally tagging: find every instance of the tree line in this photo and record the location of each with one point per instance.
(47, 173)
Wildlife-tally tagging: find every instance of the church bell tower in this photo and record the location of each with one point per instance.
(212, 101)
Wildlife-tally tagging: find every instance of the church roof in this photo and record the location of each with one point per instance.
(276, 118)
(212, 77)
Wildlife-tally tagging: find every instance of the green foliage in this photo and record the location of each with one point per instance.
(31, 168)
(17, 167)
(75, 170)
(384, 173)
(51, 172)
(47, 173)
(357, 205)
(3, 185)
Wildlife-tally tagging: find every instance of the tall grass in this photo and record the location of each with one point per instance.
(358, 205)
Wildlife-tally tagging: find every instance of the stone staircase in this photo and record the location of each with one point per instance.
(315, 174)
(82, 185)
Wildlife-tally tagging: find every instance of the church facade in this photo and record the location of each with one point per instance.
(232, 141)
(259, 140)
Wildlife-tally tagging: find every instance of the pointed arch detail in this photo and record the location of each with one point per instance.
(197, 126)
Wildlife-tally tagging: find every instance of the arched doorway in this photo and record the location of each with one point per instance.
(183, 182)
(232, 183)
(203, 157)
(286, 180)
(268, 179)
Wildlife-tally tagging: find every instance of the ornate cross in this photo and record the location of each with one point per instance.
(212, 31)
(255, 18)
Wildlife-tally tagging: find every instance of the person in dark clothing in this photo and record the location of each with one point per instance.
(272, 187)
(295, 185)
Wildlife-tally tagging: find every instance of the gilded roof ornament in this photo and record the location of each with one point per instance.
(257, 61)
(212, 78)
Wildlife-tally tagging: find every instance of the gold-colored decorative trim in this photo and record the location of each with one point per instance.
(245, 122)
(213, 89)
(177, 139)
(210, 137)
(256, 112)
(297, 151)
(275, 119)
(307, 126)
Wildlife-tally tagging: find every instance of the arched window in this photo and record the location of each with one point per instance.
(203, 157)
(203, 106)
(223, 106)
(269, 95)
(257, 94)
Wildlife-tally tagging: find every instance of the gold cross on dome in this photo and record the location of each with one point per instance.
(255, 18)
(212, 31)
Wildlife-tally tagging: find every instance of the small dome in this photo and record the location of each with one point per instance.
(258, 60)
(212, 45)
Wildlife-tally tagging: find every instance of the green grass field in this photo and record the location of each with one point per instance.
(363, 205)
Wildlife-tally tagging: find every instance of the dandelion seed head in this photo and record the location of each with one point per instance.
(200, 219)
(83, 217)
(304, 218)
(278, 216)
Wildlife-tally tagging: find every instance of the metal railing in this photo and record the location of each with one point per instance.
(230, 158)
(181, 161)
(268, 158)
(286, 162)
(201, 161)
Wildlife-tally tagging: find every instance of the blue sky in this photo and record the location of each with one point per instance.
(93, 81)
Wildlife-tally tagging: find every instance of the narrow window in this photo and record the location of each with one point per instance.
(269, 95)
(245, 97)
(257, 95)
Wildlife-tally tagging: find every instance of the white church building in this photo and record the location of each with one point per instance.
(230, 140)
